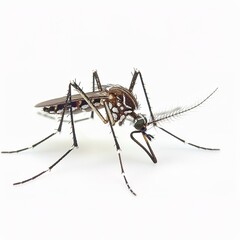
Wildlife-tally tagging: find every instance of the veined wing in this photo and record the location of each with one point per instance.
(75, 97)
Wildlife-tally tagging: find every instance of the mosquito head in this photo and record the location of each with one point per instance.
(140, 122)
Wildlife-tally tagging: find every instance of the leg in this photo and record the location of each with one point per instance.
(93, 89)
(133, 82)
(86, 98)
(43, 140)
(94, 79)
(191, 144)
(49, 169)
(118, 151)
(75, 144)
(97, 80)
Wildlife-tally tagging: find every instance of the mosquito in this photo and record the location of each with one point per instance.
(119, 104)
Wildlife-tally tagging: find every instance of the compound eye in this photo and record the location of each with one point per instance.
(140, 122)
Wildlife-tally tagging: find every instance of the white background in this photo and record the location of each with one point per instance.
(184, 50)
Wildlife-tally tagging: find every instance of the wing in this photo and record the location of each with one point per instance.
(75, 97)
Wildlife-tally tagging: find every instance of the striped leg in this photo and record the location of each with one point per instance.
(75, 144)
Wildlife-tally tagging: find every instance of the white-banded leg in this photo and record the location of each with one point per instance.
(46, 138)
(111, 122)
(75, 144)
(108, 119)
(118, 149)
(191, 144)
